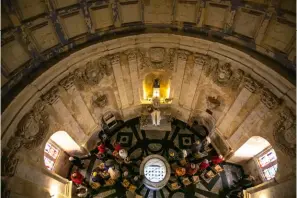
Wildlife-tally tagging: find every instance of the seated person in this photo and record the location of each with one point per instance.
(217, 159)
(191, 169)
(78, 179)
(204, 165)
(182, 157)
(123, 154)
(97, 178)
(82, 191)
(136, 180)
(117, 146)
(180, 171)
(109, 163)
(114, 173)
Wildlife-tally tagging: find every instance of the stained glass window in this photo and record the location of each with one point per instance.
(51, 153)
(268, 164)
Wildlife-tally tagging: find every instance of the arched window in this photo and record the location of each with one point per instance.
(267, 162)
(59, 147)
(258, 158)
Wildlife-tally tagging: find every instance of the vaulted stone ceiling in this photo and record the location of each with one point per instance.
(35, 34)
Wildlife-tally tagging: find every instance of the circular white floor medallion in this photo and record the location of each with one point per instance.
(155, 170)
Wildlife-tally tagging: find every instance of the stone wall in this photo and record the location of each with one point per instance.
(250, 98)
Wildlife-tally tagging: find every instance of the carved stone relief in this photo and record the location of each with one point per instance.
(157, 58)
(285, 132)
(93, 72)
(213, 102)
(269, 99)
(251, 84)
(31, 131)
(67, 82)
(100, 100)
(223, 74)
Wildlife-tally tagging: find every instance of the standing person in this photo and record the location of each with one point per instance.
(76, 162)
(78, 179)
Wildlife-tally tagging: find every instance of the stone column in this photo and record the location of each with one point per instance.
(258, 114)
(250, 87)
(118, 75)
(132, 59)
(182, 56)
(64, 117)
(81, 114)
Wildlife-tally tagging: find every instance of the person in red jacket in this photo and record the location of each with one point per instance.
(191, 169)
(203, 165)
(217, 159)
(77, 178)
(101, 148)
(117, 146)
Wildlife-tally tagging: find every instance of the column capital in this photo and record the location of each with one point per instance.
(132, 54)
(115, 58)
(251, 84)
(269, 99)
(201, 59)
(183, 54)
(52, 95)
(67, 82)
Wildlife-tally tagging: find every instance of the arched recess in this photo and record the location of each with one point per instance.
(258, 158)
(58, 148)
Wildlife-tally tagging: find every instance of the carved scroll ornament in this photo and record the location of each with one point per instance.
(30, 133)
(157, 58)
(285, 132)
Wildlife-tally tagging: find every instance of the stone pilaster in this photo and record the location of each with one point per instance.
(63, 115)
(81, 114)
(237, 105)
(132, 59)
(182, 57)
(118, 75)
(188, 96)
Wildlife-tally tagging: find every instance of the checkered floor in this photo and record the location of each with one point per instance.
(141, 143)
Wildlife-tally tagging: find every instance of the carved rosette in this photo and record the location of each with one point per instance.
(51, 96)
(269, 99)
(251, 84)
(105, 66)
(284, 132)
(93, 75)
(223, 75)
(67, 82)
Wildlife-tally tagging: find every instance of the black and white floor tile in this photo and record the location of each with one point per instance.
(142, 143)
